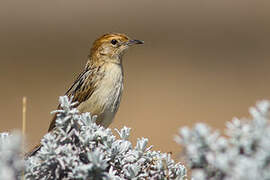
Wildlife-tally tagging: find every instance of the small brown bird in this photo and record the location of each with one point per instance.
(99, 87)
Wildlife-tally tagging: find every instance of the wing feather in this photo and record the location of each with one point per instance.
(82, 88)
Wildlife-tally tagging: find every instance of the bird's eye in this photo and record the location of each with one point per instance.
(114, 41)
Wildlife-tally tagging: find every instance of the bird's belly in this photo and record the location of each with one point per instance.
(105, 100)
(104, 105)
(106, 118)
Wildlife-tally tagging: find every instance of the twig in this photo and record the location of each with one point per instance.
(24, 101)
(24, 115)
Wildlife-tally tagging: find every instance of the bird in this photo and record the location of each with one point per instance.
(98, 88)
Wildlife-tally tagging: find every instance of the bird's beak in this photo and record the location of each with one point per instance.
(134, 41)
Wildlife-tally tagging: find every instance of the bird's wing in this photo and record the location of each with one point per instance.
(81, 89)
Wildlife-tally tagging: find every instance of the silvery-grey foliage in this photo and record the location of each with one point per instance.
(243, 154)
(80, 149)
(11, 163)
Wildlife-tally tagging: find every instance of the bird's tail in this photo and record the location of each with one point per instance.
(33, 151)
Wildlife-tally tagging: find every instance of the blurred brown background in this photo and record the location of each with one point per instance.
(202, 60)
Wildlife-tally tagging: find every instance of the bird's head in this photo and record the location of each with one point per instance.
(111, 47)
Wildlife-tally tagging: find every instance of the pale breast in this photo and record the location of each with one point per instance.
(105, 100)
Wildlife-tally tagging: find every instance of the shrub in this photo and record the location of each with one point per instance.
(11, 163)
(80, 149)
(243, 154)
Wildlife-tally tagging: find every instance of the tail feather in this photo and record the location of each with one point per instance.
(33, 151)
(52, 124)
